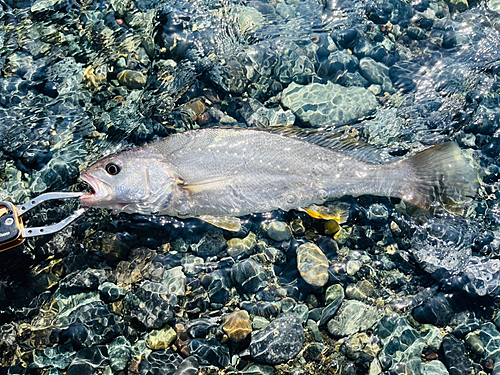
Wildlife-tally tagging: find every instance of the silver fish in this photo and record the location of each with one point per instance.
(219, 174)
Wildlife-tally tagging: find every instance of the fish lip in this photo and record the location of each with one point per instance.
(100, 190)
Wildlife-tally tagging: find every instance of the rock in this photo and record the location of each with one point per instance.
(164, 362)
(494, 5)
(347, 38)
(191, 264)
(319, 105)
(189, 366)
(237, 246)
(353, 266)
(376, 73)
(334, 298)
(210, 352)
(88, 360)
(434, 368)
(212, 243)
(249, 276)
(119, 351)
(256, 369)
(402, 343)
(438, 310)
(454, 356)
(161, 339)
(237, 325)
(279, 342)
(360, 291)
(110, 292)
(200, 327)
(152, 304)
(259, 322)
(312, 264)
(59, 356)
(353, 317)
(278, 231)
(132, 79)
(175, 280)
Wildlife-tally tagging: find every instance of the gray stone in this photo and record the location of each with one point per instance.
(376, 73)
(249, 275)
(278, 231)
(434, 368)
(334, 298)
(189, 366)
(175, 280)
(280, 341)
(353, 317)
(119, 353)
(318, 105)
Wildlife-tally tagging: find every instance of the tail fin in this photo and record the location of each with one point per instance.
(441, 174)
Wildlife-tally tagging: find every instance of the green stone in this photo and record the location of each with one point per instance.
(161, 338)
(434, 368)
(333, 292)
(352, 317)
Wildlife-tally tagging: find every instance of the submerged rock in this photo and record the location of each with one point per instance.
(318, 105)
(280, 341)
(237, 325)
(312, 264)
(353, 316)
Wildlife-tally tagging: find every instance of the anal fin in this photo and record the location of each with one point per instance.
(229, 223)
(337, 212)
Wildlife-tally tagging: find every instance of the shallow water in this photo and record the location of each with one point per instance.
(393, 289)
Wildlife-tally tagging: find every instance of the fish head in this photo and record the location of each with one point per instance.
(135, 181)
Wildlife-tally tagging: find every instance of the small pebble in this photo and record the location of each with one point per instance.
(237, 325)
(312, 264)
(161, 339)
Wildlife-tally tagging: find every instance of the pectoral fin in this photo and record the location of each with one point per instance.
(333, 212)
(230, 223)
(217, 183)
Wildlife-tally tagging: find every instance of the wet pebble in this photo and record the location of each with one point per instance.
(189, 366)
(119, 353)
(110, 292)
(312, 264)
(454, 356)
(280, 341)
(259, 322)
(333, 298)
(237, 325)
(210, 352)
(237, 246)
(278, 231)
(353, 316)
(175, 280)
(132, 79)
(360, 291)
(159, 362)
(161, 339)
(249, 276)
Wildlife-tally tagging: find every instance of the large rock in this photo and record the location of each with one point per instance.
(280, 341)
(319, 105)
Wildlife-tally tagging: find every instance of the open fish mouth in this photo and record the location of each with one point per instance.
(100, 190)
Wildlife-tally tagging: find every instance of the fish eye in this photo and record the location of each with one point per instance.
(112, 169)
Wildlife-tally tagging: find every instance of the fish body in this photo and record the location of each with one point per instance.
(231, 172)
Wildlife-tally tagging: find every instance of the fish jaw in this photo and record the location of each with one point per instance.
(102, 192)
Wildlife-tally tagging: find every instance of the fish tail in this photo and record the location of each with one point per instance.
(438, 174)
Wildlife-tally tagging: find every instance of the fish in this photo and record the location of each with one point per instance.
(219, 174)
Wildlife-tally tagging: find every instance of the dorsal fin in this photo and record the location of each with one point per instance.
(344, 141)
